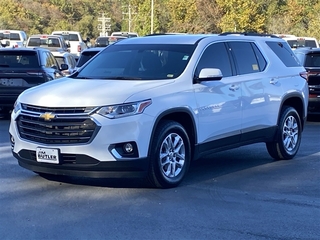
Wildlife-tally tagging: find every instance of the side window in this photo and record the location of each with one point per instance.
(215, 56)
(284, 53)
(300, 57)
(262, 62)
(53, 61)
(46, 59)
(49, 60)
(245, 58)
(72, 61)
(15, 36)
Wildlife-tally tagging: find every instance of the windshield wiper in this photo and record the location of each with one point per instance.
(4, 65)
(82, 77)
(122, 78)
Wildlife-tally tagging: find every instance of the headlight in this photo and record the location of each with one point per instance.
(17, 107)
(124, 110)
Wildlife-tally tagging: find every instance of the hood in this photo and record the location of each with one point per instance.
(69, 92)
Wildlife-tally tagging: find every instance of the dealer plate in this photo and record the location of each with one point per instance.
(48, 155)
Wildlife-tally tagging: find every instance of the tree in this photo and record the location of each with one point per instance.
(242, 15)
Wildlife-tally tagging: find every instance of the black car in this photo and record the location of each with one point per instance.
(105, 41)
(310, 59)
(86, 55)
(22, 68)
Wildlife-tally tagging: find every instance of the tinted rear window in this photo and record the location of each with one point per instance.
(43, 42)
(302, 43)
(285, 53)
(69, 37)
(312, 60)
(10, 36)
(18, 59)
(102, 42)
(85, 57)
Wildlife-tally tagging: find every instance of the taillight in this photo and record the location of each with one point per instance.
(304, 75)
(79, 48)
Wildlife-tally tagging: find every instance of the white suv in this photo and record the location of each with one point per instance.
(148, 106)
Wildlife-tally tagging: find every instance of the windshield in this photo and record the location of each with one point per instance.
(139, 61)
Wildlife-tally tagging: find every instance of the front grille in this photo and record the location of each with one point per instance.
(66, 128)
(67, 110)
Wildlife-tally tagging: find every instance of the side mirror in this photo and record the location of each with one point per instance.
(209, 74)
(64, 66)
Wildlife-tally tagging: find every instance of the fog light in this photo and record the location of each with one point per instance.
(128, 148)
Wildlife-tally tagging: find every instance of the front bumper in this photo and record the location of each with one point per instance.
(84, 166)
(98, 158)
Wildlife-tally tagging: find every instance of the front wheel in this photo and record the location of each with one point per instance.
(170, 155)
(288, 136)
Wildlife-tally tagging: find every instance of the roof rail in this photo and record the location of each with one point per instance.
(249, 34)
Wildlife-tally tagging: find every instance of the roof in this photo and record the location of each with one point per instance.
(44, 35)
(194, 38)
(60, 53)
(24, 49)
(66, 32)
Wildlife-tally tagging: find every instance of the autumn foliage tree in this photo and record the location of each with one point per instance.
(298, 17)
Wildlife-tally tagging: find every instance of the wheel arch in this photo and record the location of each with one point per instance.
(294, 100)
(182, 116)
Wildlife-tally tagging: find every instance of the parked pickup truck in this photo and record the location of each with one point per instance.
(77, 44)
(51, 42)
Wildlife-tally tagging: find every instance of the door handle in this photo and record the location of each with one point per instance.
(234, 87)
(273, 81)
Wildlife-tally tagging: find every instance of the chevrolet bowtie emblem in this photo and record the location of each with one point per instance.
(47, 116)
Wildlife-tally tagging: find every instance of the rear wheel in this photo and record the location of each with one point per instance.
(288, 136)
(170, 155)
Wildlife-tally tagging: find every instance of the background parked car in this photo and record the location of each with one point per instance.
(105, 41)
(310, 59)
(66, 58)
(22, 68)
(86, 55)
(51, 42)
(15, 38)
(125, 34)
(298, 42)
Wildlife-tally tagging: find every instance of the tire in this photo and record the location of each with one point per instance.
(170, 155)
(288, 136)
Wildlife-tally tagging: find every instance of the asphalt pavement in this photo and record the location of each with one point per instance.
(236, 194)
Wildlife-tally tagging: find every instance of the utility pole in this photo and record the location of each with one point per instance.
(151, 17)
(105, 25)
(129, 13)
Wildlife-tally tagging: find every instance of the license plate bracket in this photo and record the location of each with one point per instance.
(47, 155)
